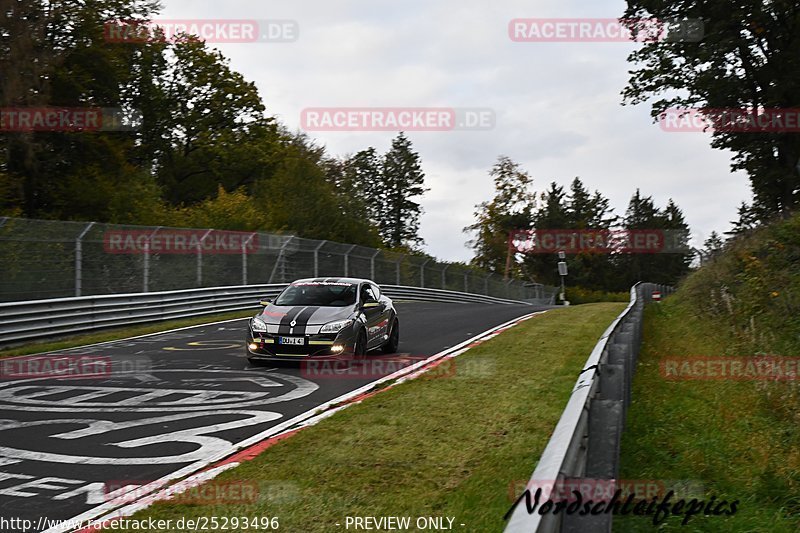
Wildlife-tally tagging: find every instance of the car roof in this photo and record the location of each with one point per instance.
(354, 281)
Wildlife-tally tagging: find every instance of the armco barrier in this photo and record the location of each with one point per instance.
(42, 319)
(586, 440)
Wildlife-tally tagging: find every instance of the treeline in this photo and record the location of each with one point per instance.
(516, 207)
(204, 153)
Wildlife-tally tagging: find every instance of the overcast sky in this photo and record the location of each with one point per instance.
(557, 105)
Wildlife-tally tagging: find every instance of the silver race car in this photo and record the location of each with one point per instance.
(324, 317)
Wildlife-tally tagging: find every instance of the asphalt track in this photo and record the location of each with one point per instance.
(166, 402)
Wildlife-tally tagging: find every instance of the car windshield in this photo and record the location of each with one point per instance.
(318, 293)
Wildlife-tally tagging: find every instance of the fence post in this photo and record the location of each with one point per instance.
(372, 265)
(316, 258)
(78, 257)
(200, 258)
(399, 261)
(244, 258)
(466, 282)
(347, 261)
(444, 276)
(146, 261)
(486, 285)
(422, 273)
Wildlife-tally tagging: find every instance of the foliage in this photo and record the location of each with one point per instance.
(747, 59)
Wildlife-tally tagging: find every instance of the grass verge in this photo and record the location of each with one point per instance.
(120, 333)
(445, 446)
(730, 436)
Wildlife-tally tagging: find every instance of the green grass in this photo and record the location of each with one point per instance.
(434, 446)
(119, 333)
(736, 438)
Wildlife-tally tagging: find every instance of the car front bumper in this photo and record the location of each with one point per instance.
(269, 346)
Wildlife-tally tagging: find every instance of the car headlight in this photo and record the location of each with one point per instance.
(258, 325)
(336, 327)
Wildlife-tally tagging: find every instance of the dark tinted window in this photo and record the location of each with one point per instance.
(321, 294)
(367, 293)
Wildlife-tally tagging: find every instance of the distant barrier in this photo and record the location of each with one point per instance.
(43, 319)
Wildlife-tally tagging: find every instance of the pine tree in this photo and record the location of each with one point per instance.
(403, 180)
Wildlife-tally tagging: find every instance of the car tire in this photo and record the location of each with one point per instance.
(393, 343)
(360, 347)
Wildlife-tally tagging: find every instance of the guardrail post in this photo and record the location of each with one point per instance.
(200, 258)
(244, 258)
(78, 257)
(146, 268)
(399, 262)
(372, 265)
(347, 261)
(316, 258)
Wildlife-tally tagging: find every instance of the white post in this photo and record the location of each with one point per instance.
(347, 261)
(78, 258)
(316, 258)
(422, 273)
(372, 265)
(244, 258)
(146, 261)
(444, 276)
(399, 262)
(200, 258)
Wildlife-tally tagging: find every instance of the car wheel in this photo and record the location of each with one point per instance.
(394, 338)
(360, 348)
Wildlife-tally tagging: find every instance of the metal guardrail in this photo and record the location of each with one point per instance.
(586, 441)
(42, 319)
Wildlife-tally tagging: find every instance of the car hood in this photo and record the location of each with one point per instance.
(303, 316)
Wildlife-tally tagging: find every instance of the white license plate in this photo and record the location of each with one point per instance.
(293, 341)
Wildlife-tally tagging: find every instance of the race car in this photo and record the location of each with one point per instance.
(324, 317)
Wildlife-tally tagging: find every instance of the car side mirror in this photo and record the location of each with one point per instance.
(265, 302)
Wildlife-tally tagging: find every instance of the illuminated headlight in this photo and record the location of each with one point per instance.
(337, 349)
(253, 346)
(258, 325)
(336, 327)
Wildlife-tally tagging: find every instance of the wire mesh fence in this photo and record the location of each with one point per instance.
(42, 259)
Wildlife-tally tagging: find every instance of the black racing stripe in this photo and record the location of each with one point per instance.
(302, 319)
(283, 327)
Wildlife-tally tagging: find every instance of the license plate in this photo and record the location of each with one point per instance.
(293, 341)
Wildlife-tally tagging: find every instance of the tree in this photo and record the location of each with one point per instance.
(403, 180)
(215, 126)
(551, 213)
(748, 59)
(587, 211)
(712, 247)
(509, 210)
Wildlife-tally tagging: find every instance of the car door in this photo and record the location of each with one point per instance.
(373, 315)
